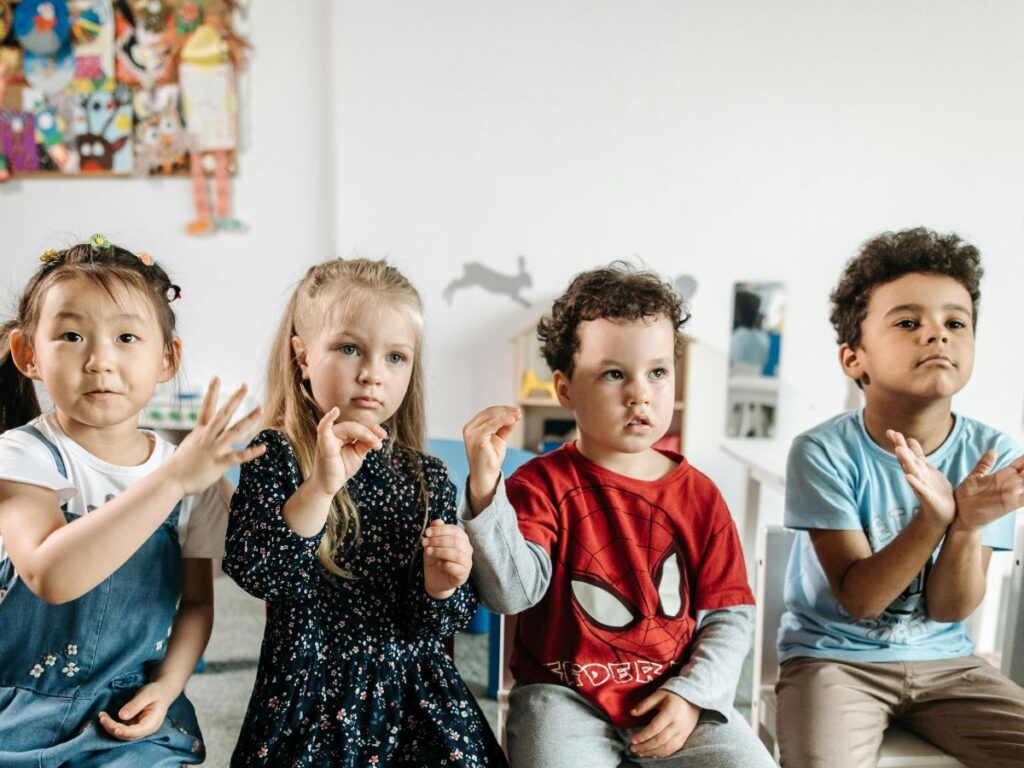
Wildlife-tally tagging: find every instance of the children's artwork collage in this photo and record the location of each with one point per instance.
(128, 88)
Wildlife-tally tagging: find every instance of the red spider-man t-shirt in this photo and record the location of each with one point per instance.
(632, 563)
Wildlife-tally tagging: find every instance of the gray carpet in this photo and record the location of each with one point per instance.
(221, 692)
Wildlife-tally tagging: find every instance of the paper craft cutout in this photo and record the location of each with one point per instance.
(41, 26)
(103, 124)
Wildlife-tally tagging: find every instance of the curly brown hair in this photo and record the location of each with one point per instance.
(890, 256)
(618, 291)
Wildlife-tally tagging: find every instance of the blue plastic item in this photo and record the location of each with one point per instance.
(453, 454)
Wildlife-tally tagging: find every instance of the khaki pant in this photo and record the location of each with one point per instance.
(832, 714)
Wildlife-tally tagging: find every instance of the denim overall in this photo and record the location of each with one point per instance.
(61, 665)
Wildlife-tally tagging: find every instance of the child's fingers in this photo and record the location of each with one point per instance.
(647, 704)
(353, 431)
(325, 427)
(985, 464)
(456, 570)
(916, 448)
(223, 417)
(243, 427)
(248, 454)
(208, 407)
(447, 554)
(642, 738)
(918, 486)
(896, 438)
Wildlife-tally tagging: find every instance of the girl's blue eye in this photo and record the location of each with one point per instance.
(395, 359)
(70, 336)
(348, 349)
(659, 373)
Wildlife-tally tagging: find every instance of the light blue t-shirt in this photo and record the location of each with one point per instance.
(837, 478)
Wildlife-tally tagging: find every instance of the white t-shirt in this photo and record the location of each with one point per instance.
(91, 482)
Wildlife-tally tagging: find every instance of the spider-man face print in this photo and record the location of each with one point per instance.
(627, 571)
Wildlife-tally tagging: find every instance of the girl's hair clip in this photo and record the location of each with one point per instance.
(146, 258)
(99, 241)
(173, 293)
(49, 256)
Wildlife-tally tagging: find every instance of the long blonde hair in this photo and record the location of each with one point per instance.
(355, 284)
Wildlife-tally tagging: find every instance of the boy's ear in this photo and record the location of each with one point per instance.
(850, 362)
(23, 355)
(299, 348)
(562, 390)
(172, 359)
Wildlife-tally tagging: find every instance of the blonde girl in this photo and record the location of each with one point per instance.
(104, 528)
(327, 527)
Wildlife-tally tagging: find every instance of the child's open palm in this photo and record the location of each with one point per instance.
(340, 450)
(932, 487)
(985, 495)
(208, 451)
(141, 716)
(447, 559)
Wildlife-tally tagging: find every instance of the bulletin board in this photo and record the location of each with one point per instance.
(121, 88)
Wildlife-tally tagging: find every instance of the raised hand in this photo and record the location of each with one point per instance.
(486, 438)
(447, 559)
(208, 451)
(985, 496)
(932, 488)
(141, 716)
(669, 729)
(340, 450)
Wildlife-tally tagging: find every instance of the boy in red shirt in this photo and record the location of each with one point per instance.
(622, 560)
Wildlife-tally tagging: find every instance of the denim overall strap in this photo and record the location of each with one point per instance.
(67, 662)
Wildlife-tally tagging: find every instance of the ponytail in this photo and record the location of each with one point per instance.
(18, 401)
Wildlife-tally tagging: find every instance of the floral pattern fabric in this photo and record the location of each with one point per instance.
(353, 672)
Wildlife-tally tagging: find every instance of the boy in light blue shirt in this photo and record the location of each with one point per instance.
(902, 503)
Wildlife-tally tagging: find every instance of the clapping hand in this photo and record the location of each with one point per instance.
(932, 487)
(985, 496)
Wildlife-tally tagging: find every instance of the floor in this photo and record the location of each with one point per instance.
(221, 691)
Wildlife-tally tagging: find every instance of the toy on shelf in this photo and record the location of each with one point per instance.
(171, 410)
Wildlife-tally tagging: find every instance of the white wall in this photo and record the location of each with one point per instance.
(740, 140)
(234, 285)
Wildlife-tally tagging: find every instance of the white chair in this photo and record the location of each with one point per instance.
(507, 635)
(900, 748)
(1013, 637)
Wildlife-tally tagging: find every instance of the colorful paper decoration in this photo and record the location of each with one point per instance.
(211, 116)
(41, 26)
(123, 87)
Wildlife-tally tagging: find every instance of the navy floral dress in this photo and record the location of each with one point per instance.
(353, 672)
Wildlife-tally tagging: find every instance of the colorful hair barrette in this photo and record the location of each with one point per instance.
(173, 293)
(99, 241)
(145, 258)
(49, 255)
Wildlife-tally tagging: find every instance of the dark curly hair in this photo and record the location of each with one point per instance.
(108, 266)
(890, 256)
(617, 291)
